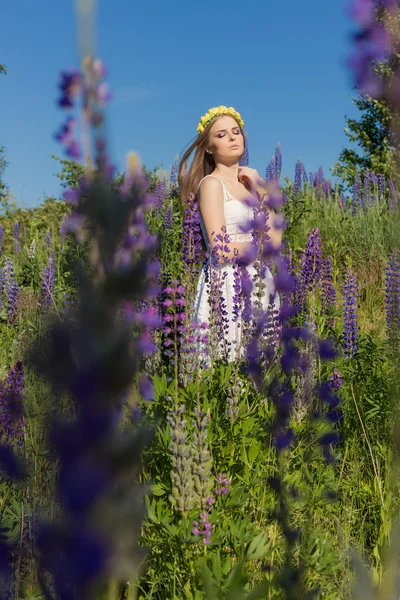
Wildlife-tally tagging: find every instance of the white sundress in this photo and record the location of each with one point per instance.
(237, 214)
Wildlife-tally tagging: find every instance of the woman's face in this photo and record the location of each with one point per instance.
(226, 141)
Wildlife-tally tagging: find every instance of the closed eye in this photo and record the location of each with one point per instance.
(236, 132)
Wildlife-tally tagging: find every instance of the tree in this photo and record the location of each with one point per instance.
(376, 132)
(373, 134)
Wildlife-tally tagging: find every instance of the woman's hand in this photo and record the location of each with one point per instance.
(250, 176)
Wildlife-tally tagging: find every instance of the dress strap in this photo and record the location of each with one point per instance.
(224, 188)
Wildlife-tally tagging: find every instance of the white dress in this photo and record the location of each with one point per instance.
(235, 326)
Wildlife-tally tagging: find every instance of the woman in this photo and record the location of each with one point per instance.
(229, 197)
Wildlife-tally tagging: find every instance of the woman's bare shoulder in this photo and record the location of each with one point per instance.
(210, 185)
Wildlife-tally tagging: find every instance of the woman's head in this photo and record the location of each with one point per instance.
(213, 145)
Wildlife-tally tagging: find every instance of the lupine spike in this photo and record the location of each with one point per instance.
(297, 177)
(278, 161)
(244, 160)
(351, 333)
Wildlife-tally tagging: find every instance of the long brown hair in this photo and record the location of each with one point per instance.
(203, 164)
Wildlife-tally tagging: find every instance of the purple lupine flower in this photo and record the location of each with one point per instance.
(173, 178)
(351, 334)
(168, 216)
(203, 528)
(12, 425)
(48, 238)
(335, 379)
(1, 238)
(393, 197)
(160, 192)
(381, 185)
(2, 290)
(17, 238)
(278, 162)
(366, 196)
(297, 177)
(328, 291)
(70, 87)
(270, 174)
(66, 137)
(311, 260)
(68, 306)
(174, 319)
(48, 285)
(393, 295)
(192, 247)
(304, 173)
(244, 160)
(372, 43)
(311, 179)
(223, 482)
(10, 291)
(356, 199)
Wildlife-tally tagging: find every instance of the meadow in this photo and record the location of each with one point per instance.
(226, 512)
(136, 462)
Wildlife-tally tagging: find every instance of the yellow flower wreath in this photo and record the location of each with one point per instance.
(218, 111)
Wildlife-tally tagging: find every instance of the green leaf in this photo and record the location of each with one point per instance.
(258, 547)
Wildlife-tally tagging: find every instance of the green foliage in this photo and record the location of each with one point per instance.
(374, 140)
(247, 551)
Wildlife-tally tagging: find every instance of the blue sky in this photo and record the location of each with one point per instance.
(281, 65)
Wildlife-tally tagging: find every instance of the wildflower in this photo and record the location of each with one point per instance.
(203, 527)
(270, 173)
(70, 87)
(173, 179)
(168, 217)
(350, 314)
(10, 291)
(1, 238)
(66, 137)
(223, 484)
(335, 378)
(48, 284)
(183, 495)
(328, 291)
(12, 427)
(64, 228)
(17, 238)
(192, 248)
(32, 250)
(202, 461)
(393, 295)
(278, 162)
(297, 177)
(244, 160)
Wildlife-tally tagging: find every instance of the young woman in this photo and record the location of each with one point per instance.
(227, 196)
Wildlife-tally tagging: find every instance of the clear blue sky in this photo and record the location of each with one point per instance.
(280, 64)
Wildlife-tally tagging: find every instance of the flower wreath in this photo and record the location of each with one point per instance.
(216, 112)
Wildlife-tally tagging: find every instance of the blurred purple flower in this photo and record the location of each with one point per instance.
(70, 87)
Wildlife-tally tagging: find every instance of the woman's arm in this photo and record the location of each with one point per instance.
(211, 205)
